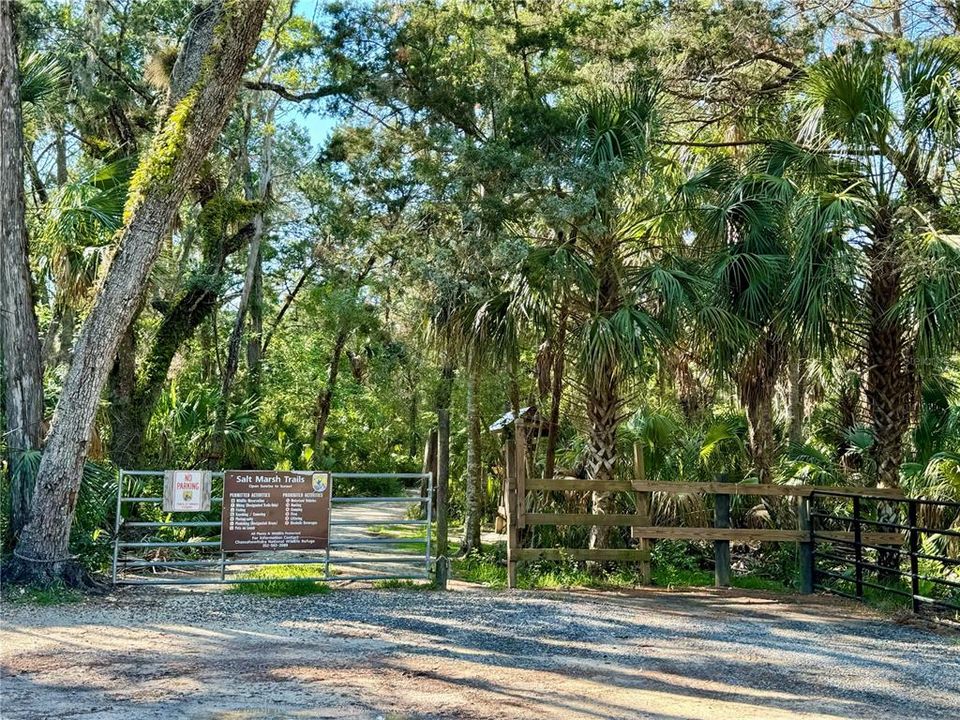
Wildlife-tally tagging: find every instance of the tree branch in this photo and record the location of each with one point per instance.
(321, 92)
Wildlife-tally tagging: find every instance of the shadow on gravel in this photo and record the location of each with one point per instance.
(486, 655)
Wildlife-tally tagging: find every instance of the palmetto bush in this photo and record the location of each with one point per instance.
(95, 514)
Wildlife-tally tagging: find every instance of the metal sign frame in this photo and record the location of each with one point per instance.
(422, 563)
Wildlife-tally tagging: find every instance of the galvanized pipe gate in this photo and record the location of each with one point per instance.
(213, 566)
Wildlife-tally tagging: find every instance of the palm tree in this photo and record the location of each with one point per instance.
(486, 330)
(878, 270)
(737, 222)
(622, 288)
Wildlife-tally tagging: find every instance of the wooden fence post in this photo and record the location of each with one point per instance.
(721, 548)
(510, 503)
(644, 501)
(520, 466)
(806, 546)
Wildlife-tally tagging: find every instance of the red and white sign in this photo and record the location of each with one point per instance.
(186, 491)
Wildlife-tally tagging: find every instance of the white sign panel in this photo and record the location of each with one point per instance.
(186, 491)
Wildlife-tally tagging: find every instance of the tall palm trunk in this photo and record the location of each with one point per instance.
(890, 373)
(603, 415)
(556, 395)
(757, 386)
(474, 486)
(797, 401)
(19, 336)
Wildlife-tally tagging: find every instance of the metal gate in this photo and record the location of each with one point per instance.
(903, 547)
(160, 550)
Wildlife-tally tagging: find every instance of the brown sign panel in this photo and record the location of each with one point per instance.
(275, 510)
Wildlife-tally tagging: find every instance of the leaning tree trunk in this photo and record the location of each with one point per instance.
(125, 446)
(251, 276)
(181, 319)
(19, 336)
(325, 398)
(474, 483)
(603, 414)
(208, 71)
(256, 330)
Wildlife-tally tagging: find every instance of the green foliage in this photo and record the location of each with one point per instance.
(672, 205)
(155, 169)
(94, 515)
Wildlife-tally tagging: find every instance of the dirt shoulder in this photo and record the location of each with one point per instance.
(469, 653)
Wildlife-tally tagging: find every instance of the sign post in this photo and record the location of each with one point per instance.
(275, 510)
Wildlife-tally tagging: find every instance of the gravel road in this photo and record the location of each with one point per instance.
(470, 653)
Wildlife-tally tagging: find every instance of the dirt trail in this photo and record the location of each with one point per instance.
(363, 653)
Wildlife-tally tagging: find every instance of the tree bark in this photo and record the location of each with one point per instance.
(429, 466)
(250, 276)
(123, 413)
(256, 329)
(556, 396)
(325, 398)
(19, 334)
(757, 383)
(890, 367)
(443, 479)
(157, 190)
(130, 419)
(798, 392)
(603, 415)
(474, 480)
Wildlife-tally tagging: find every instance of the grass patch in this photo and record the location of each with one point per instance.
(281, 581)
(416, 532)
(57, 594)
(479, 569)
(489, 569)
(394, 584)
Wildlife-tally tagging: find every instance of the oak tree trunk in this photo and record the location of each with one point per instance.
(181, 319)
(19, 336)
(157, 190)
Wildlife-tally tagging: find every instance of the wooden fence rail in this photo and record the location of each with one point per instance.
(641, 522)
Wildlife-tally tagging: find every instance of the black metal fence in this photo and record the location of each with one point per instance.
(902, 547)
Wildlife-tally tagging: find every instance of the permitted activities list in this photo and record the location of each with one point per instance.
(274, 510)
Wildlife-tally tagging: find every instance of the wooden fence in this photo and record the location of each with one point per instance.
(641, 521)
